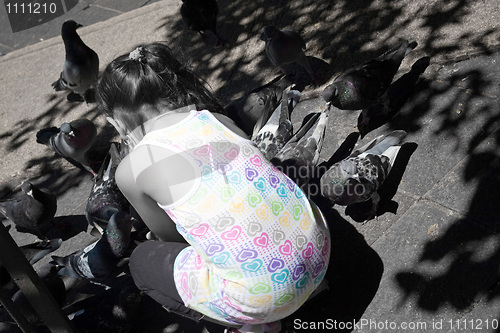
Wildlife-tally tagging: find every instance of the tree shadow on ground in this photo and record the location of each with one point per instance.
(464, 108)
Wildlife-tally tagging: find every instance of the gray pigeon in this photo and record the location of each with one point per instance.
(397, 95)
(32, 212)
(105, 198)
(358, 177)
(273, 130)
(201, 16)
(300, 155)
(366, 85)
(81, 66)
(98, 260)
(284, 47)
(245, 111)
(72, 141)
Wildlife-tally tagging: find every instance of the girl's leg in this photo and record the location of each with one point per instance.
(152, 268)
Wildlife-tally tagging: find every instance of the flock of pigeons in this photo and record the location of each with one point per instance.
(264, 114)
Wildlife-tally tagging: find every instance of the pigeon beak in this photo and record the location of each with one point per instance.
(71, 133)
(78, 25)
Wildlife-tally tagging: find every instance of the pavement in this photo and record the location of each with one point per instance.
(431, 262)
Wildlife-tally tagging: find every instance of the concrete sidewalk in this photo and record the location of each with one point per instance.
(435, 261)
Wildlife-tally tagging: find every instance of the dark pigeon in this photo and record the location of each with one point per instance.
(81, 66)
(247, 110)
(273, 130)
(201, 16)
(284, 47)
(300, 155)
(72, 141)
(366, 85)
(397, 95)
(99, 259)
(105, 198)
(33, 212)
(33, 253)
(114, 311)
(54, 284)
(358, 177)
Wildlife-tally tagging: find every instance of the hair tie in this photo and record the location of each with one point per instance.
(137, 54)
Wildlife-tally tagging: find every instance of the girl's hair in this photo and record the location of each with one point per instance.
(150, 75)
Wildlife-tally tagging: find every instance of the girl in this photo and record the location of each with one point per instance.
(240, 245)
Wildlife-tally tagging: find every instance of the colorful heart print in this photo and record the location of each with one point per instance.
(232, 234)
(260, 300)
(251, 174)
(206, 173)
(232, 154)
(287, 248)
(223, 223)
(298, 271)
(260, 288)
(254, 228)
(275, 264)
(308, 251)
(278, 236)
(254, 199)
(302, 282)
(252, 266)
(221, 258)
(256, 160)
(227, 193)
(280, 277)
(282, 191)
(202, 151)
(237, 206)
(214, 248)
(260, 184)
(277, 207)
(234, 177)
(300, 241)
(200, 231)
(285, 219)
(246, 254)
(273, 180)
(262, 240)
(285, 298)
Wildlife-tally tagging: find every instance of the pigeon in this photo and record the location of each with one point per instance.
(358, 177)
(300, 155)
(99, 259)
(105, 198)
(81, 66)
(366, 85)
(272, 131)
(114, 311)
(284, 47)
(33, 212)
(397, 95)
(33, 253)
(201, 16)
(55, 286)
(71, 140)
(246, 110)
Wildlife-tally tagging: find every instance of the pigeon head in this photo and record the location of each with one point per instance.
(70, 26)
(118, 232)
(67, 129)
(268, 33)
(27, 188)
(331, 94)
